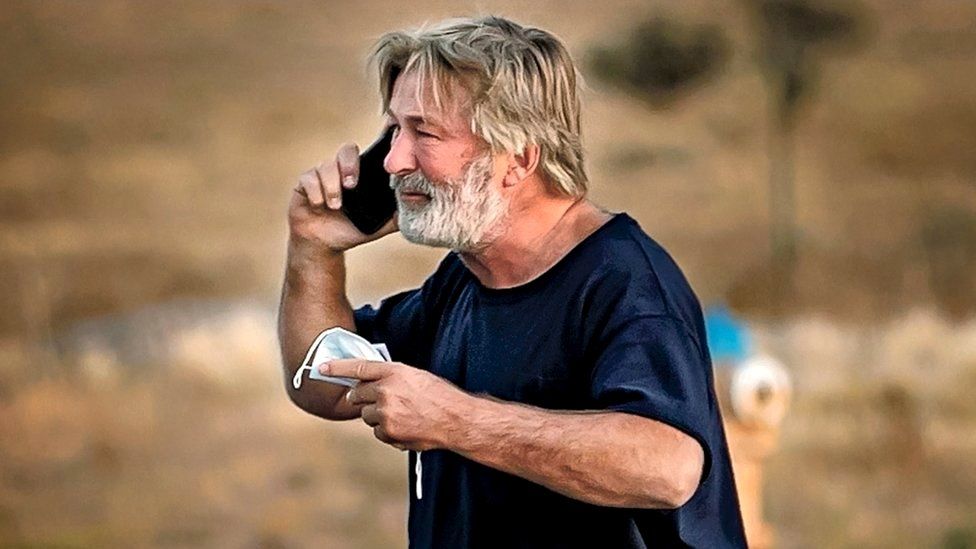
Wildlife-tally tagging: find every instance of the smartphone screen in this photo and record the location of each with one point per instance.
(371, 203)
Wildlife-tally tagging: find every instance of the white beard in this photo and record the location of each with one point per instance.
(464, 215)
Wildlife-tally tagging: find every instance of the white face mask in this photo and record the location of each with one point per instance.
(465, 214)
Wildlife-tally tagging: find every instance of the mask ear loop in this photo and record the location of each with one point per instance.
(418, 469)
(296, 381)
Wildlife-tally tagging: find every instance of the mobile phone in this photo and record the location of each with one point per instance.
(371, 203)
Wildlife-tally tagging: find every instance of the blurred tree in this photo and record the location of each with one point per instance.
(963, 537)
(947, 237)
(661, 59)
(793, 36)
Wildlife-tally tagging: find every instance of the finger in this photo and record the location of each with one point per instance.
(348, 161)
(371, 415)
(363, 370)
(308, 185)
(364, 393)
(329, 184)
(382, 435)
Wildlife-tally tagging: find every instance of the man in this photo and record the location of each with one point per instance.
(552, 374)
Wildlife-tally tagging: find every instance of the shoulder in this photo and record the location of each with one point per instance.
(625, 258)
(631, 276)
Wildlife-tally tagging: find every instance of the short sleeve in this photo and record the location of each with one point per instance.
(651, 366)
(398, 322)
(406, 321)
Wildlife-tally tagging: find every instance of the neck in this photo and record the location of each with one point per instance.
(536, 238)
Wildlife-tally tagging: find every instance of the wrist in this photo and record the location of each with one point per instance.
(454, 429)
(310, 268)
(305, 251)
(469, 420)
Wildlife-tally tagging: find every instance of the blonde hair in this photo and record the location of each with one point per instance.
(523, 84)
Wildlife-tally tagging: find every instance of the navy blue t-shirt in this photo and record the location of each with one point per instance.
(612, 326)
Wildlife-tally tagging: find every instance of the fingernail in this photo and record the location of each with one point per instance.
(334, 203)
(324, 368)
(348, 182)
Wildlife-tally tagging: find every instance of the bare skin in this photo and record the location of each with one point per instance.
(605, 458)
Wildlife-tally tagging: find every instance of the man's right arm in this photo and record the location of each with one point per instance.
(313, 296)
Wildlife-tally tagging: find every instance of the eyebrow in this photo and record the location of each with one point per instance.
(417, 119)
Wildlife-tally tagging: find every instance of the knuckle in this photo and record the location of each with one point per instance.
(304, 181)
(323, 174)
(308, 188)
(347, 153)
(370, 419)
(383, 434)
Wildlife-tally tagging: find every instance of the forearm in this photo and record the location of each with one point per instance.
(604, 458)
(313, 298)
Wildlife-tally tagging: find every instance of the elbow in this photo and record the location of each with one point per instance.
(667, 471)
(305, 397)
(681, 494)
(301, 400)
(319, 404)
(673, 484)
(296, 397)
(687, 474)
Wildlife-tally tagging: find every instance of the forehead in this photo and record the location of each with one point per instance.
(414, 96)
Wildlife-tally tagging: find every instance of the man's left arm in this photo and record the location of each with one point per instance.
(604, 458)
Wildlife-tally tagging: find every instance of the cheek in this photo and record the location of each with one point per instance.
(439, 165)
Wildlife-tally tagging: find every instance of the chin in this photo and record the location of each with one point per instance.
(421, 229)
(426, 238)
(417, 232)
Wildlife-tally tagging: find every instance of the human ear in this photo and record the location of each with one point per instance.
(521, 165)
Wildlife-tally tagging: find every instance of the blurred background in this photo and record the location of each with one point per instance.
(810, 164)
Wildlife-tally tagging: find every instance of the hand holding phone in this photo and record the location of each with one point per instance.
(371, 203)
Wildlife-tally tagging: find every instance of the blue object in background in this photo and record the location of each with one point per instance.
(729, 338)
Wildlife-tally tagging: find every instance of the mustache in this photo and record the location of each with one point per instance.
(413, 183)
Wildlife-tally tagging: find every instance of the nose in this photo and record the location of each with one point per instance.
(400, 160)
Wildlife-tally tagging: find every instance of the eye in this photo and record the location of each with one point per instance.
(426, 134)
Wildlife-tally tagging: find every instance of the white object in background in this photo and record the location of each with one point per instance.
(760, 392)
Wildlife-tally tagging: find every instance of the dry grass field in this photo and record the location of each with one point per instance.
(147, 150)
